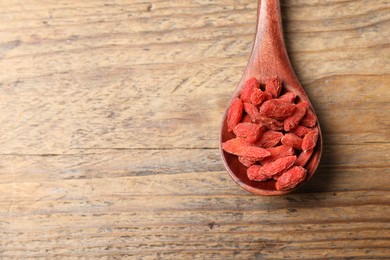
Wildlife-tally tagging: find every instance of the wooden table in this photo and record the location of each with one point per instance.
(109, 123)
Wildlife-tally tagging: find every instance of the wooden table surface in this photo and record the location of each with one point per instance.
(109, 124)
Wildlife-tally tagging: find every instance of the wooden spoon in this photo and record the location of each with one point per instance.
(268, 59)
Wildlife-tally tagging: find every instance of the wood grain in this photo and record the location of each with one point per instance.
(110, 112)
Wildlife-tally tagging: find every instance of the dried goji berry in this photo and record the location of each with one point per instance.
(267, 95)
(291, 178)
(270, 123)
(248, 88)
(246, 161)
(258, 118)
(279, 165)
(257, 97)
(273, 86)
(276, 177)
(269, 139)
(234, 114)
(310, 140)
(246, 119)
(288, 97)
(254, 174)
(292, 121)
(252, 111)
(300, 131)
(238, 146)
(277, 109)
(235, 146)
(278, 152)
(290, 139)
(251, 132)
(304, 157)
(309, 119)
(255, 153)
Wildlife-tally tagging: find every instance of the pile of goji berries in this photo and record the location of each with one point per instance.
(275, 137)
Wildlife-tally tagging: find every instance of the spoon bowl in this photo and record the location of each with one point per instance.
(268, 59)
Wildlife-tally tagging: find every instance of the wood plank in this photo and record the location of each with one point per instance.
(58, 123)
(274, 235)
(96, 163)
(91, 200)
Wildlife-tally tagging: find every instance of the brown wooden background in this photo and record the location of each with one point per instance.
(109, 120)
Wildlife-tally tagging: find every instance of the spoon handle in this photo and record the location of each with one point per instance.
(269, 56)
